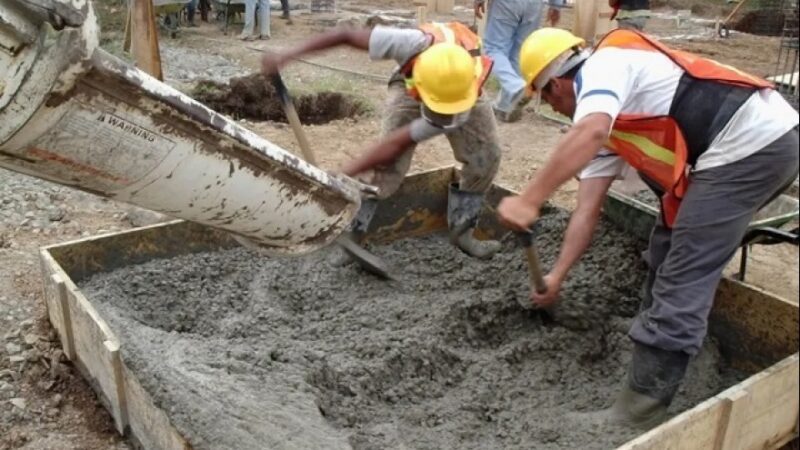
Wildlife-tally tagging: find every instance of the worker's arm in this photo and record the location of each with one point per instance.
(273, 62)
(591, 195)
(383, 152)
(574, 151)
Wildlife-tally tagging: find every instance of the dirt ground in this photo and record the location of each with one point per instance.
(45, 404)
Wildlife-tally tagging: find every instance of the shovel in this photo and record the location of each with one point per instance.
(535, 277)
(365, 259)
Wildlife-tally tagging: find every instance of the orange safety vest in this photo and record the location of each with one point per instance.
(454, 33)
(656, 145)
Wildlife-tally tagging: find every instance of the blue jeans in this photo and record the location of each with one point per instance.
(508, 23)
(250, 15)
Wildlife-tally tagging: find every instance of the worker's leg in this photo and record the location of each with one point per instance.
(502, 21)
(400, 110)
(191, 8)
(263, 19)
(285, 9)
(475, 145)
(711, 222)
(713, 217)
(530, 20)
(655, 255)
(249, 19)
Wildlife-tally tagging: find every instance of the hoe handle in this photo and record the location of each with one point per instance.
(526, 239)
(294, 119)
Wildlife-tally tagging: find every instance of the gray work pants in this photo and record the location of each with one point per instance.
(475, 144)
(686, 262)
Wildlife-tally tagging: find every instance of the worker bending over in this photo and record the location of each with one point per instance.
(436, 89)
(716, 143)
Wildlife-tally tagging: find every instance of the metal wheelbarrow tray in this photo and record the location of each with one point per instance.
(757, 332)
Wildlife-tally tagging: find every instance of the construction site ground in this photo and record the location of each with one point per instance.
(45, 404)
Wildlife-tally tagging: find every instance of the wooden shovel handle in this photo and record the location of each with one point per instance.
(526, 239)
(294, 119)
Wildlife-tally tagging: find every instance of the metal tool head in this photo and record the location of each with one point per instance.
(365, 259)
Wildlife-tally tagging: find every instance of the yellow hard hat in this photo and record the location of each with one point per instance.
(540, 49)
(446, 78)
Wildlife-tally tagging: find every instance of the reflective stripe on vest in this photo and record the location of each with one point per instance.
(453, 33)
(655, 145)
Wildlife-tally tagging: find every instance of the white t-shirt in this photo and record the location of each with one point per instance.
(622, 81)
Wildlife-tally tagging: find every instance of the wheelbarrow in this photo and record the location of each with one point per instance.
(638, 217)
(168, 13)
(225, 9)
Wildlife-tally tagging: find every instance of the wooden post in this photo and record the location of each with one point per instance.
(144, 38)
(421, 10)
(444, 6)
(67, 340)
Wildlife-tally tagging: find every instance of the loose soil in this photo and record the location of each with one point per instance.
(246, 352)
(253, 97)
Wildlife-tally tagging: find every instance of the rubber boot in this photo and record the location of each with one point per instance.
(462, 217)
(356, 231)
(653, 379)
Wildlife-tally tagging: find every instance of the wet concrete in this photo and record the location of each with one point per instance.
(246, 352)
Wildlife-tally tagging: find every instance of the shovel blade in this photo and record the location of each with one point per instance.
(365, 259)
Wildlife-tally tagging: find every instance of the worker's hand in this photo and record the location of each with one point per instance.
(553, 16)
(516, 213)
(480, 8)
(272, 63)
(550, 296)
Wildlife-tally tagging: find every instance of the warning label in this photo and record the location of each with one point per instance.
(102, 150)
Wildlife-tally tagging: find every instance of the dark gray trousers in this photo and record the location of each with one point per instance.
(686, 262)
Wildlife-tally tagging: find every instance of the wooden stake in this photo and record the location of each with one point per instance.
(144, 38)
(421, 15)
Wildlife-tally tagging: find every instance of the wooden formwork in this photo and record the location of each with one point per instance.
(757, 332)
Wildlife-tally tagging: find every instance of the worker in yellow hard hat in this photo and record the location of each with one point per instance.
(436, 89)
(715, 144)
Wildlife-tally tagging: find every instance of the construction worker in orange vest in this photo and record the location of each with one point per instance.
(715, 143)
(435, 90)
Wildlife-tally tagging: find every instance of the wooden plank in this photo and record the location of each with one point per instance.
(120, 412)
(694, 429)
(66, 318)
(149, 424)
(758, 413)
(90, 334)
(728, 428)
(768, 413)
(144, 38)
(55, 296)
(755, 329)
(87, 256)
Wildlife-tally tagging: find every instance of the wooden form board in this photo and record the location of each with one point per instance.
(435, 6)
(761, 412)
(592, 19)
(95, 351)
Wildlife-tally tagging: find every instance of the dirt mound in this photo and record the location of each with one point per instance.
(253, 97)
(763, 22)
